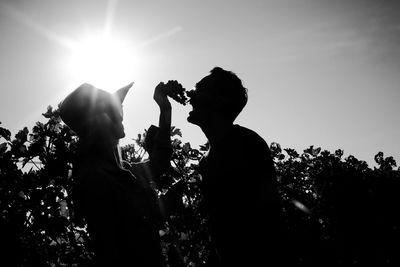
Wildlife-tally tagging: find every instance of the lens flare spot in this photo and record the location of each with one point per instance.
(104, 62)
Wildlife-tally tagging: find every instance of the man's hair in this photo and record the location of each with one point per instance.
(229, 87)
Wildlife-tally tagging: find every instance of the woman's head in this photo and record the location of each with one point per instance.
(95, 113)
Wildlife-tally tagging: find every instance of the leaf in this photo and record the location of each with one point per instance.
(379, 157)
(3, 148)
(176, 143)
(5, 133)
(22, 135)
(291, 152)
(339, 153)
(193, 154)
(312, 151)
(390, 161)
(49, 113)
(22, 149)
(176, 131)
(205, 147)
(275, 147)
(186, 147)
(316, 151)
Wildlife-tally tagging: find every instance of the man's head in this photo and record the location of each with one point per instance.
(90, 111)
(218, 95)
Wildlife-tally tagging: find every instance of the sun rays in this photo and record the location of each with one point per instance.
(102, 59)
(23, 19)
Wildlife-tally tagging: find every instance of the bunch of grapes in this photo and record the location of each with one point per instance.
(176, 91)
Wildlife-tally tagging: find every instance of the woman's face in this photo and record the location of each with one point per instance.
(116, 126)
(107, 124)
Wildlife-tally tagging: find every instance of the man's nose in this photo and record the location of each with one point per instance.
(192, 96)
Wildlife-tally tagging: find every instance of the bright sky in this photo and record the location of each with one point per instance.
(322, 73)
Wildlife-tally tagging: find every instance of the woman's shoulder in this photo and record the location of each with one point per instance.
(98, 179)
(90, 179)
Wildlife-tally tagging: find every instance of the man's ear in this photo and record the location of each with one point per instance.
(220, 103)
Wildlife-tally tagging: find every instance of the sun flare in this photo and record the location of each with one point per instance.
(104, 62)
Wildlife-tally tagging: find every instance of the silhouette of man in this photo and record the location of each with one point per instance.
(238, 177)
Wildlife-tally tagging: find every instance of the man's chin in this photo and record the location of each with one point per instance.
(192, 119)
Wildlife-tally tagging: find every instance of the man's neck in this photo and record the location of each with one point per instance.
(216, 131)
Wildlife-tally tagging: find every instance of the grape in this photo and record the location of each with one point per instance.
(176, 91)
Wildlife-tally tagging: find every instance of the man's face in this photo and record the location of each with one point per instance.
(203, 101)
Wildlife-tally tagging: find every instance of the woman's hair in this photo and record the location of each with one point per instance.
(80, 108)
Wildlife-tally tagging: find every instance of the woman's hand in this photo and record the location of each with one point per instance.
(160, 96)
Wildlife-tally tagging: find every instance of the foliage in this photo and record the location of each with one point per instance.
(36, 201)
(184, 233)
(338, 210)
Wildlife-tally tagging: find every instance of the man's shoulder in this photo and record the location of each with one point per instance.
(247, 136)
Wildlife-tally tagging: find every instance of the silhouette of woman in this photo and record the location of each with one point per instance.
(120, 207)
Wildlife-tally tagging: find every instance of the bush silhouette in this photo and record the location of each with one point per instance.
(338, 210)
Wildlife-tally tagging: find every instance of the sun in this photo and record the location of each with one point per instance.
(105, 62)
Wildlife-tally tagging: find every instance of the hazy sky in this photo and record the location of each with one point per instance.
(322, 73)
